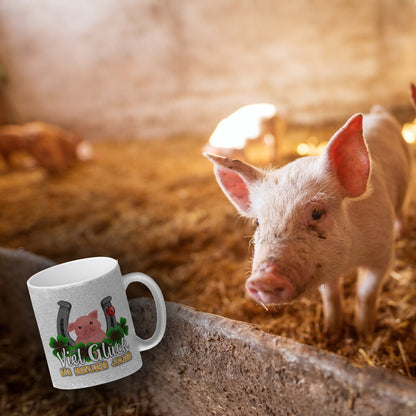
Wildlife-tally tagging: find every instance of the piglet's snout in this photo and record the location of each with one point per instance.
(268, 285)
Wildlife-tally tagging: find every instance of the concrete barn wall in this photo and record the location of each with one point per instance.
(155, 68)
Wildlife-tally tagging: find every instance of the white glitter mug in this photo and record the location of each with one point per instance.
(85, 323)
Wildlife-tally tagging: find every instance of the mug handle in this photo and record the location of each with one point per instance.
(146, 344)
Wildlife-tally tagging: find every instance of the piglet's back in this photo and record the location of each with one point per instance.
(389, 153)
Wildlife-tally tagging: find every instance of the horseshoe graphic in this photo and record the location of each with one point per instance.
(109, 312)
(63, 320)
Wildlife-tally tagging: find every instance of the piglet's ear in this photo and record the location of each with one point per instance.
(93, 314)
(413, 94)
(235, 178)
(347, 155)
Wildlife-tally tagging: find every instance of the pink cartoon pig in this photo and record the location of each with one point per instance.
(87, 328)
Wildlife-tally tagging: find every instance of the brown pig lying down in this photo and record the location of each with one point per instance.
(52, 147)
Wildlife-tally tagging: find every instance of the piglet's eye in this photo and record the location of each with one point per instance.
(317, 213)
(257, 222)
(80, 327)
(90, 322)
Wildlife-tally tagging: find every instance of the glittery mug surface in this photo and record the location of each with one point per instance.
(85, 323)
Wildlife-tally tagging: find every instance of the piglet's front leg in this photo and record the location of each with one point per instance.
(333, 304)
(368, 289)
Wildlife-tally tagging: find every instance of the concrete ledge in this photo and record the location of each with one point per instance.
(16, 266)
(209, 365)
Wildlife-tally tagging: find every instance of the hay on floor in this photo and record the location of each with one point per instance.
(156, 207)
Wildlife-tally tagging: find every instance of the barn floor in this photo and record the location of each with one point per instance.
(156, 207)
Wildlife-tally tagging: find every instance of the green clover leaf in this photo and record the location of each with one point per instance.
(122, 325)
(114, 336)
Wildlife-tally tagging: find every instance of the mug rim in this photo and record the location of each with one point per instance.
(72, 273)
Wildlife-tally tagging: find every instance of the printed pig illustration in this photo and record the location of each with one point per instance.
(87, 328)
(320, 217)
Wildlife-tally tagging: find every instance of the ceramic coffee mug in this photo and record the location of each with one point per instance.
(85, 323)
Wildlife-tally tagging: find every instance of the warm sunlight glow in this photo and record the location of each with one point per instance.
(409, 132)
(312, 147)
(244, 124)
(302, 149)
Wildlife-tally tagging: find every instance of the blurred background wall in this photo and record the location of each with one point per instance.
(157, 68)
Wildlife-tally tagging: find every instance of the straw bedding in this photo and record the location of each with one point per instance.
(157, 208)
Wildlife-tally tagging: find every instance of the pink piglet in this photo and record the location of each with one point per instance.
(87, 328)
